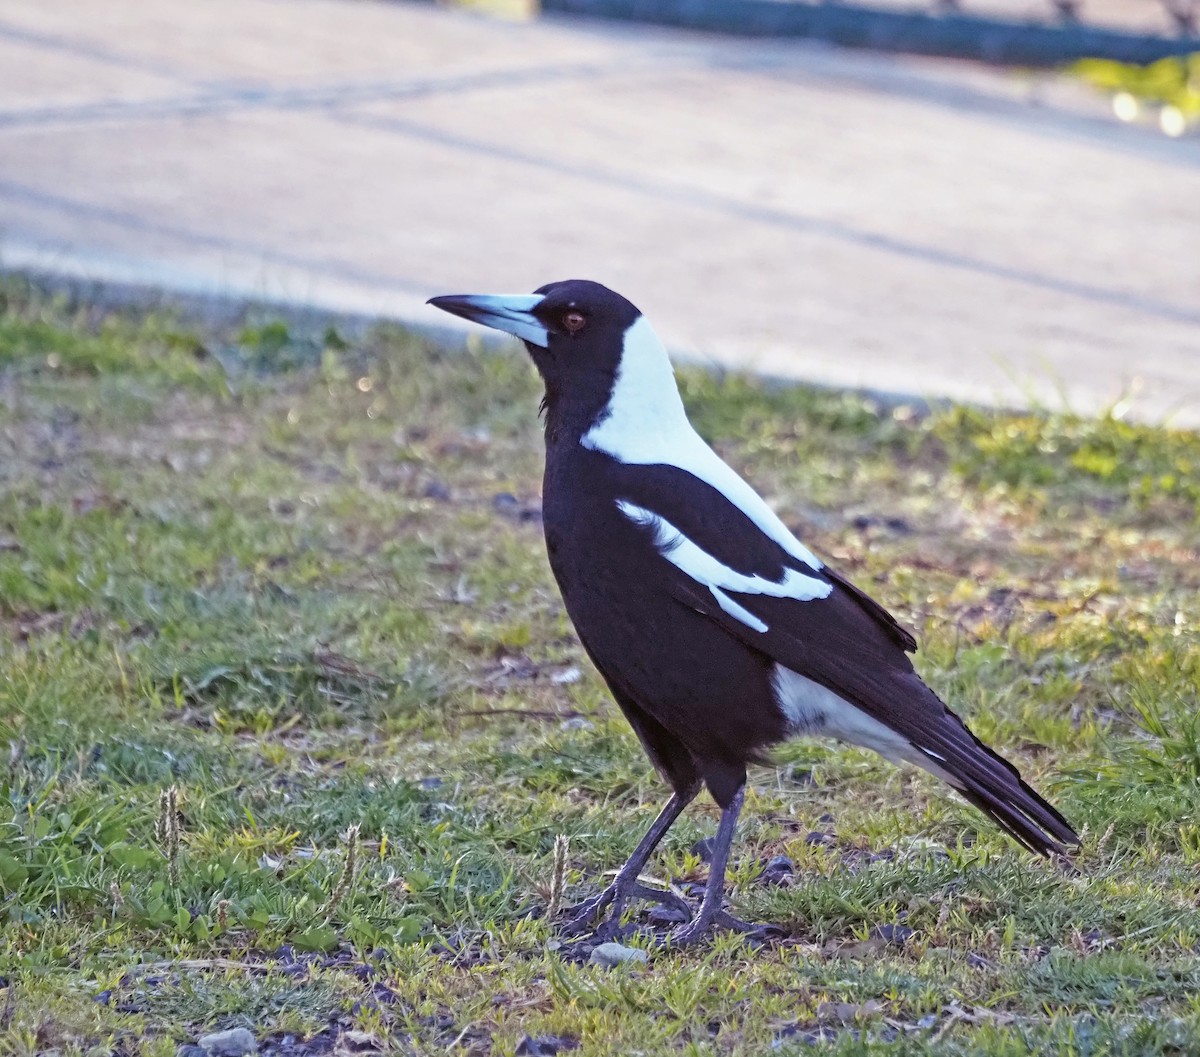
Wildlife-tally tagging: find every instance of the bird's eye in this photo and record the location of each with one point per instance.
(573, 321)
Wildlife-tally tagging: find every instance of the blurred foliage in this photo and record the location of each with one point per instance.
(1145, 464)
(1170, 83)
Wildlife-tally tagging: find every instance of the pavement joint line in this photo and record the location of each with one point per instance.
(1012, 112)
(133, 222)
(693, 196)
(696, 197)
(709, 200)
(224, 100)
(85, 50)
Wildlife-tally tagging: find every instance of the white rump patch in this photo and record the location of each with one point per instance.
(811, 708)
(718, 578)
(645, 425)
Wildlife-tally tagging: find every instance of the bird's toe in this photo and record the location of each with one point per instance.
(704, 924)
(764, 932)
(581, 918)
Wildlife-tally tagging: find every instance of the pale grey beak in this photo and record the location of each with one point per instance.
(511, 313)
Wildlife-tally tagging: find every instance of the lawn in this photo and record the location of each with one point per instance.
(291, 717)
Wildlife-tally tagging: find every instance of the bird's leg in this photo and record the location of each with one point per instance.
(626, 885)
(712, 908)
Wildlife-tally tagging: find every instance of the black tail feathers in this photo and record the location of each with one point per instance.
(1025, 816)
(996, 787)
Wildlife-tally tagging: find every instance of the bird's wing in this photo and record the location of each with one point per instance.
(722, 547)
(811, 621)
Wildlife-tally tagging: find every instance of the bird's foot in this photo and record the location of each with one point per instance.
(763, 933)
(708, 919)
(581, 917)
(616, 896)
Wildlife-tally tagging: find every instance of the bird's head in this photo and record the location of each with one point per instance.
(580, 335)
(575, 325)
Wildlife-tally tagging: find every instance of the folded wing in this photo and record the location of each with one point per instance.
(815, 624)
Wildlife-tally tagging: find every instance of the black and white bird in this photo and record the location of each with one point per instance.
(718, 632)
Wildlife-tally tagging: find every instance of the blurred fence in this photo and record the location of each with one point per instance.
(1033, 33)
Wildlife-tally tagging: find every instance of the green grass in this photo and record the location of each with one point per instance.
(270, 570)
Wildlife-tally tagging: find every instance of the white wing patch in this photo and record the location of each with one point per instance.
(737, 612)
(718, 578)
(645, 425)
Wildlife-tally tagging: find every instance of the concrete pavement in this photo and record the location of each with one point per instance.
(846, 218)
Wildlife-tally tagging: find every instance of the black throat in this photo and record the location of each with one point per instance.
(574, 401)
(586, 324)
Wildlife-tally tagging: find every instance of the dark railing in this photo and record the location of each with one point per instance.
(944, 28)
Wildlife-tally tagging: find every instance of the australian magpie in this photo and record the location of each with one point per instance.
(718, 632)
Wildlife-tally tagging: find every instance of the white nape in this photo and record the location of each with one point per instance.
(702, 567)
(644, 424)
(811, 708)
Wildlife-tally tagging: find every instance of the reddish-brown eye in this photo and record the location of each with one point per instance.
(573, 321)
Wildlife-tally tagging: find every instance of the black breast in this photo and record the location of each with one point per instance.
(709, 692)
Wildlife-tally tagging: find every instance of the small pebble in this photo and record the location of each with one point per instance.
(232, 1043)
(849, 1012)
(508, 505)
(577, 723)
(190, 1050)
(664, 915)
(545, 1045)
(704, 848)
(611, 955)
(778, 871)
(1177, 1034)
(894, 934)
(567, 676)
